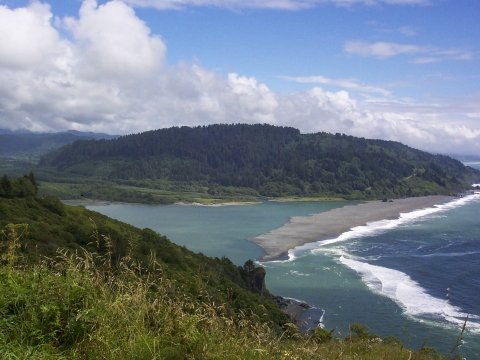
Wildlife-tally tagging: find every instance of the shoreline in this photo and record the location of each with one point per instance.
(303, 315)
(302, 230)
(229, 203)
(103, 203)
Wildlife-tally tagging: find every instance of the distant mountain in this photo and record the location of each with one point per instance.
(9, 132)
(466, 158)
(92, 135)
(273, 161)
(29, 145)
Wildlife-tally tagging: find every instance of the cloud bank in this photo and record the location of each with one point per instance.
(105, 71)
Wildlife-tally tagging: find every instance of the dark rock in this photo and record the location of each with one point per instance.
(304, 305)
(258, 282)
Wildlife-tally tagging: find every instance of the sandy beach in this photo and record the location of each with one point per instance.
(305, 229)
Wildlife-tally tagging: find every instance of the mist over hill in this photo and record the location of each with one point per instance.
(31, 145)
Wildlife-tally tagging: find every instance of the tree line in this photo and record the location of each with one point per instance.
(23, 187)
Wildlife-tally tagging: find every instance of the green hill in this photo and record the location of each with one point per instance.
(51, 225)
(259, 160)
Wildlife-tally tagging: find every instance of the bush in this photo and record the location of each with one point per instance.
(320, 335)
(359, 330)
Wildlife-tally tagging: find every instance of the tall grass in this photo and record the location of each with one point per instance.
(84, 306)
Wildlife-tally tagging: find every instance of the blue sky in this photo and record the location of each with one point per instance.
(403, 70)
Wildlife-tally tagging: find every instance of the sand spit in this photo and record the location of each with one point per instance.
(219, 204)
(305, 229)
(87, 202)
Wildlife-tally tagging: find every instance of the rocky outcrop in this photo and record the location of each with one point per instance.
(257, 281)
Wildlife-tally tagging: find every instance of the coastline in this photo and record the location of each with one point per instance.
(306, 317)
(103, 203)
(302, 230)
(229, 203)
(88, 202)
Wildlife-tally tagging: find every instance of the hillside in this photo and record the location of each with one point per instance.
(77, 284)
(31, 146)
(51, 225)
(258, 160)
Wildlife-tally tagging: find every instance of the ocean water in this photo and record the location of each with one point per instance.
(415, 278)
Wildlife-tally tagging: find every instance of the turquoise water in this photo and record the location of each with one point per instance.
(216, 231)
(413, 278)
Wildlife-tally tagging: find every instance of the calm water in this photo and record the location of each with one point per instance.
(216, 231)
(412, 278)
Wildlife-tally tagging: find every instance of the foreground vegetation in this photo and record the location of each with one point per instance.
(77, 284)
(85, 306)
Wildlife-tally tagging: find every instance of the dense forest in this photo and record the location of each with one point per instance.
(270, 161)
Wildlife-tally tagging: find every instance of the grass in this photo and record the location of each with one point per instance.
(84, 306)
(126, 193)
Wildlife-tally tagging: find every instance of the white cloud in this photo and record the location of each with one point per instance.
(114, 40)
(383, 50)
(352, 84)
(27, 37)
(109, 75)
(265, 4)
(408, 31)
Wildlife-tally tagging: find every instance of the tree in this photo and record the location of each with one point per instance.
(6, 188)
(249, 266)
(32, 179)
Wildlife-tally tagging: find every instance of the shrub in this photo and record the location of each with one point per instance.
(321, 335)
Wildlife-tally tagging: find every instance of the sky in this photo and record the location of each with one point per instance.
(402, 70)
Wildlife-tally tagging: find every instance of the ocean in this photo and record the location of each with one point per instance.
(415, 278)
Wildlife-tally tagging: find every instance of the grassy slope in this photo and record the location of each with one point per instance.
(53, 225)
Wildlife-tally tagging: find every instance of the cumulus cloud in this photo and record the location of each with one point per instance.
(383, 50)
(113, 40)
(105, 71)
(265, 4)
(27, 37)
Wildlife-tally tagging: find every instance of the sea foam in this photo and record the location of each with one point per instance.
(396, 285)
(378, 227)
(409, 295)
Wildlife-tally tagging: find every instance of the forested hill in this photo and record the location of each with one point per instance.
(273, 161)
